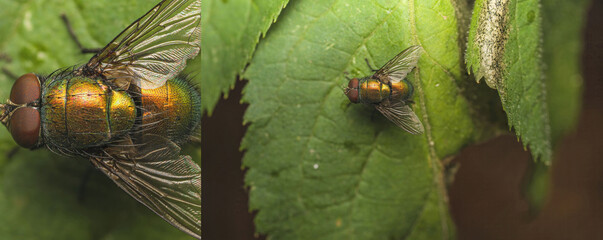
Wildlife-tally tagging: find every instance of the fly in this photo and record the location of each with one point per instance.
(389, 91)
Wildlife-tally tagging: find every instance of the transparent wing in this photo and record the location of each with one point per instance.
(155, 175)
(154, 48)
(398, 67)
(402, 115)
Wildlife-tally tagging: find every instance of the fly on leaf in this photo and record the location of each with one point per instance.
(389, 91)
(128, 110)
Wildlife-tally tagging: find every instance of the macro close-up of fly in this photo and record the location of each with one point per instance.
(129, 110)
(389, 91)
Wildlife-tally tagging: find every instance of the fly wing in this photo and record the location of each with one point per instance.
(402, 115)
(157, 176)
(154, 48)
(398, 67)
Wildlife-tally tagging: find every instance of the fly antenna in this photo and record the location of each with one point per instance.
(4, 113)
(343, 87)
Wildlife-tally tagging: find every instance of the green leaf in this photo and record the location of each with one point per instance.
(505, 49)
(537, 186)
(562, 33)
(231, 30)
(43, 195)
(562, 44)
(321, 168)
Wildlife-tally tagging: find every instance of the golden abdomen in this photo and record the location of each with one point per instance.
(401, 90)
(81, 112)
(172, 110)
(373, 91)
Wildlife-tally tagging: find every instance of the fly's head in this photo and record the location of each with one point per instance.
(352, 90)
(21, 114)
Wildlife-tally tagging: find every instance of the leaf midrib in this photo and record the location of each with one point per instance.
(433, 160)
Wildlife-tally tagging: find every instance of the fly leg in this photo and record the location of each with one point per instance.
(195, 139)
(6, 58)
(12, 152)
(346, 104)
(369, 65)
(345, 74)
(75, 39)
(9, 73)
(374, 114)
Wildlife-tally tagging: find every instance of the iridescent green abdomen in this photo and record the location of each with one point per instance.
(374, 91)
(80, 112)
(172, 110)
(401, 90)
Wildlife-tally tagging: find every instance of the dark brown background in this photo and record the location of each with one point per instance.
(486, 198)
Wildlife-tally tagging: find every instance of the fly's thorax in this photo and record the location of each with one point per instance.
(172, 110)
(373, 91)
(401, 90)
(80, 112)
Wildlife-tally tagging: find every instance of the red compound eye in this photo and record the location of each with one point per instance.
(25, 126)
(352, 91)
(353, 83)
(26, 89)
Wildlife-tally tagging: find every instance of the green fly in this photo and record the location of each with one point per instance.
(389, 91)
